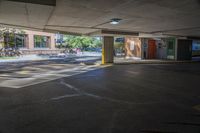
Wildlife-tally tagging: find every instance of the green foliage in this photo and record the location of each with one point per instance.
(118, 45)
(83, 42)
(97, 42)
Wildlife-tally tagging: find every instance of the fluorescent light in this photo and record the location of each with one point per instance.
(115, 21)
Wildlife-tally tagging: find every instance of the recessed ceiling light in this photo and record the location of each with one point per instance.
(115, 21)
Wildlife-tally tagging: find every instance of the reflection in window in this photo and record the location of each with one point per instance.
(20, 41)
(14, 40)
(40, 41)
(196, 45)
(171, 45)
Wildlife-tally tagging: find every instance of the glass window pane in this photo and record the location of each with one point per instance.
(20, 40)
(40, 41)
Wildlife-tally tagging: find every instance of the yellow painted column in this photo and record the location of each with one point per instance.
(107, 49)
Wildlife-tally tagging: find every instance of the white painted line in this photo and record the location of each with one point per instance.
(83, 93)
(66, 96)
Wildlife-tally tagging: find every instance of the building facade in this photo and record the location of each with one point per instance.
(166, 48)
(32, 42)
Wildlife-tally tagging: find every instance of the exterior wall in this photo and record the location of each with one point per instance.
(30, 40)
(29, 43)
(133, 47)
(161, 48)
(52, 42)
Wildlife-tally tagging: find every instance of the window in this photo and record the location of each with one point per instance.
(14, 40)
(196, 45)
(171, 45)
(20, 41)
(41, 41)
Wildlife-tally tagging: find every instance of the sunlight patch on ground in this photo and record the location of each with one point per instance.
(28, 77)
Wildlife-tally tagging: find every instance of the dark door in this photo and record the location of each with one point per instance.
(184, 51)
(151, 49)
(171, 48)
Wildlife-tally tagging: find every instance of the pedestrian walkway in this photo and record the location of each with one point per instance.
(23, 58)
(26, 58)
(122, 60)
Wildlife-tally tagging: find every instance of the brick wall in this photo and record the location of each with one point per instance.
(30, 39)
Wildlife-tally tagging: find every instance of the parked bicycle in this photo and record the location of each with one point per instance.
(69, 51)
(10, 52)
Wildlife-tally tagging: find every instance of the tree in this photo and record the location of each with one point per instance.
(83, 42)
(97, 42)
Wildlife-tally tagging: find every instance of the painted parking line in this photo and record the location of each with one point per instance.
(66, 96)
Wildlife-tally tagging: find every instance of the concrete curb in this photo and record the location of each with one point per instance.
(156, 62)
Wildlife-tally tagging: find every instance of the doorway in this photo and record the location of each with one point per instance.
(151, 49)
(184, 50)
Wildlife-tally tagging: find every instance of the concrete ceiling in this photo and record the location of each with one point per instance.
(172, 17)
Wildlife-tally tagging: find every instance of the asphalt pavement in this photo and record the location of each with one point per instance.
(136, 98)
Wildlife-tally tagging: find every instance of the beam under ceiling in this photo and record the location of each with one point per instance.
(38, 29)
(108, 32)
(40, 2)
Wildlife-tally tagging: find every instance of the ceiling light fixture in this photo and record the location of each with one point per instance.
(115, 21)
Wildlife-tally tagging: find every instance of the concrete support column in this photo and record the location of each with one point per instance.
(30, 41)
(107, 49)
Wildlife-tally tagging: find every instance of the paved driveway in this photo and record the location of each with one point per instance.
(18, 75)
(115, 99)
